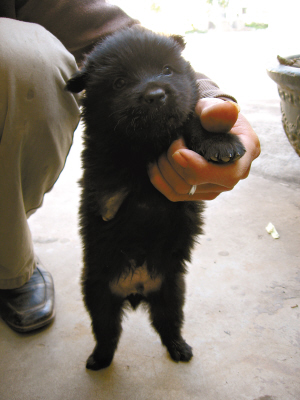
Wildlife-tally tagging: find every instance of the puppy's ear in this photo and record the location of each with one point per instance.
(179, 40)
(78, 81)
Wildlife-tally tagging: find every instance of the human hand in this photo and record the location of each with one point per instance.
(175, 172)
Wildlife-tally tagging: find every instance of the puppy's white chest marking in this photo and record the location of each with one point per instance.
(139, 281)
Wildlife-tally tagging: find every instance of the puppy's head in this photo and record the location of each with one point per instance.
(137, 80)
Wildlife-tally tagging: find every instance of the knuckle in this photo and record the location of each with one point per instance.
(227, 189)
(246, 174)
(179, 189)
(173, 197)
(190, 180)
(211, 196)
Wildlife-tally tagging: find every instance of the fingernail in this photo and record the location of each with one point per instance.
(235, 104)
(180, 159)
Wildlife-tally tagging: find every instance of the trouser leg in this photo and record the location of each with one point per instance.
(37, 121)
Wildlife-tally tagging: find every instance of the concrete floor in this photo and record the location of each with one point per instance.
(243, 301)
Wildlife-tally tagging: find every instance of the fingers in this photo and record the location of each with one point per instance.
(165, 179)
(199, 171)
(195, 170)
(182, 186)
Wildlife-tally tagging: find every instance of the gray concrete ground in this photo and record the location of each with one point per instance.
(243, 300)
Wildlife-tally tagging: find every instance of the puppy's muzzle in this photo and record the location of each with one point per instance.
(155, 96)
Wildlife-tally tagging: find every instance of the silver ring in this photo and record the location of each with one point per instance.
(193, 190)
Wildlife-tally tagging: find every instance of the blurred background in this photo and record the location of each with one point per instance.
(225, 37)
(203, 15)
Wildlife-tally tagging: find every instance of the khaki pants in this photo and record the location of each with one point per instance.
(37, 121)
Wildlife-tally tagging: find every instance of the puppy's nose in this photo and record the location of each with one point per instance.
(155, 96)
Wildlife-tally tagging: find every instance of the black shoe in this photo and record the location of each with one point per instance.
(31, 306)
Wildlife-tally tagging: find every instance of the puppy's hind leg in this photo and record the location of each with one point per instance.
(166, 312)
(106, 313)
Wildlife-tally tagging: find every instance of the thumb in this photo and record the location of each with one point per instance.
(217, 115)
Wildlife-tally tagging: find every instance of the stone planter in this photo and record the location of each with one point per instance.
(287, 77)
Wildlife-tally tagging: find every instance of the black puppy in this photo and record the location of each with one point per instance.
(140, 96)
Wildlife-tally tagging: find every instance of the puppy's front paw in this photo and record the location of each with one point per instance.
(110, 203)
(180, 351)
(222, 148)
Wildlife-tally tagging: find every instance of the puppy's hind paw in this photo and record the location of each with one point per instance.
(95, 365)
(180, 351)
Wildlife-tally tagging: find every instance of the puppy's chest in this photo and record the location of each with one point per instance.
(136, 281)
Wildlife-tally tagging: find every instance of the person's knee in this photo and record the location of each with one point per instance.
(29, 49)
(37, 116)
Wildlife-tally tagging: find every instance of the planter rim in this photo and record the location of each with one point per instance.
(286, 69)
(285, 75)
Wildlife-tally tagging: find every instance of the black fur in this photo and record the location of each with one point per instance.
(140, 96)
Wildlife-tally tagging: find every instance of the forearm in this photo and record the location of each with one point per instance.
(208, 88)
(78, 24)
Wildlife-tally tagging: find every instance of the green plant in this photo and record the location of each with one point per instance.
(155, 7)
(257, 25)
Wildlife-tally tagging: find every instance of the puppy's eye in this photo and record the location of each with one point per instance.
(167, 70)
(119, 83)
